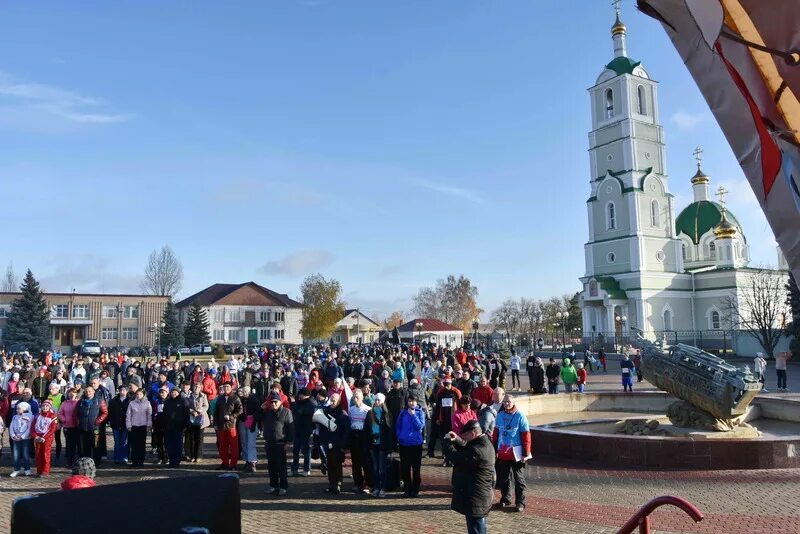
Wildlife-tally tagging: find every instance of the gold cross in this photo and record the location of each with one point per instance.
(721, 192)
(698, 155)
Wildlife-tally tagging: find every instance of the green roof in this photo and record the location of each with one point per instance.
(611, 286)
(699, 217)
(623, 65)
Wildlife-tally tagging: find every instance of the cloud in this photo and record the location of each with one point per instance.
(688, 121)
(457, 192)
(87, 273)
(25, 104)
(298, 263)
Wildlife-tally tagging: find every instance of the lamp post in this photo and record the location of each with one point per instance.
(621, 321)
(158, 327)
(562, 318)
(419, 332)
(475, 326)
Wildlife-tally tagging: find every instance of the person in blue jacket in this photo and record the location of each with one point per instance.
(410, 426)
(627, 368)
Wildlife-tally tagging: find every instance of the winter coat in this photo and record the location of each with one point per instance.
(118, 412)
(569, 374)
(302, 413)
(77, 482)
(278, 425)
(339, 438)
(460, 418)
(409, 428)
(176, 414)
(68, 414)
(384, 437)
(139, 413)
(91, 413)
(230, 406)
(396, 400)
(537, 379)
(199, 403)
(552, 371)
(473, 466)
(487, 418)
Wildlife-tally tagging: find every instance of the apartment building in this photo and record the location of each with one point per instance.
(113, 320)
(247, 313)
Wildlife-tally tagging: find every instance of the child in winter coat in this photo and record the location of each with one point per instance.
(44, 430)
(82, 475)
(20, 436)
(581, 377)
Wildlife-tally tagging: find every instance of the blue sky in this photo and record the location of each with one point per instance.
(383, 143)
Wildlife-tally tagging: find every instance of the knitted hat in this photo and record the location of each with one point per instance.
(84, 466)
(48, 403)
(380, 397)
(24, 406)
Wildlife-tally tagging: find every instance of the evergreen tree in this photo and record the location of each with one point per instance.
(793, 328)
(171, 336)
(29, 319)
(196, 329)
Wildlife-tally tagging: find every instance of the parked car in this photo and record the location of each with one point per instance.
(183, 350)
(201, 349)
(90, 347)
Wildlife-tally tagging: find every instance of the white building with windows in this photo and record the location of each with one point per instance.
(355, 327)
(247, 314)
(646, 268)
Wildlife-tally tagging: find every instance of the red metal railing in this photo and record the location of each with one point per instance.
(642, 518)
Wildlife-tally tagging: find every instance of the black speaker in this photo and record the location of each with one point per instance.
(184, 505)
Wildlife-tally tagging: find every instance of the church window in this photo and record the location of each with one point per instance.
(715, 325)
(712, 251)
(609, 103)
(655, 219)
(641, 101)
(667, 319)
(611, 257)
(611, 219)
(684, 252)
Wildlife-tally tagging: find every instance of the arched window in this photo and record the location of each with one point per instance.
(715, 325)
(667, 319)
(655, 219)
(642, 102)
(611, 217)
(684, 253)
(609, 103)
(712, 251)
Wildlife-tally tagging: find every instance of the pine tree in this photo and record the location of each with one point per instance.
(29, 319)
(793, 300)
(196, 329)
(172, 336)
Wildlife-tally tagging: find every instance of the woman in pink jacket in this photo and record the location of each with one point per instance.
(462, 414)
(68, 417)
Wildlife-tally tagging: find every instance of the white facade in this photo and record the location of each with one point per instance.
(272, 324)
(355, 327)
(645, 269)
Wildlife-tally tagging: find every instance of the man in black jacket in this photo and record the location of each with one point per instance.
(278, 431)
(302, 412)
(334, 436)
(396, 398)
(117, 411)
(553, 371)
(472, 456)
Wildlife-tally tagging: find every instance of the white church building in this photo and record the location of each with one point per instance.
(645, 268)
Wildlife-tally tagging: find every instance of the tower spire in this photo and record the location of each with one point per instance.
(618, 31)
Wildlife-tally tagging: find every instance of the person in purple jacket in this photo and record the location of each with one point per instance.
(409, 428)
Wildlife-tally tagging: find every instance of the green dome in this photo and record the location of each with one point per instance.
(623, 65)
(699, 217)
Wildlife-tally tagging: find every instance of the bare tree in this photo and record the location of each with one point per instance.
(163, 274)
(453, 300)
(759, 308)
(10, 280)
(507, 317)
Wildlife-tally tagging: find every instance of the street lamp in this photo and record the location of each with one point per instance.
(419, 332)
(475, 326)
(621, 321)
(158, 327)
(562, 319)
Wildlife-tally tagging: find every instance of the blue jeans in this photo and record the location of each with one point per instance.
(380, 461)
(476, 525)
(174, 439)
(552, 388)
(120, 445)
(21, 452)
(301, 445)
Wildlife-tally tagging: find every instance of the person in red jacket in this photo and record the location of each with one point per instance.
(83, 474)
(581, 377)
(44, 430)
(211, 393)
(483, 392)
